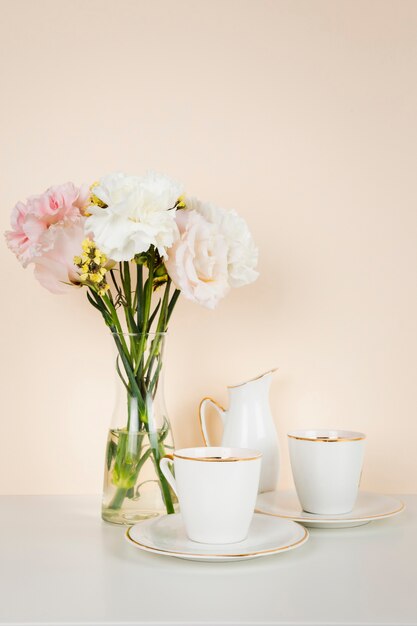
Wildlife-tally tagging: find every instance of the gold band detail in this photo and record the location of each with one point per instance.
(232, 556)
(208, 459)
(326, 439)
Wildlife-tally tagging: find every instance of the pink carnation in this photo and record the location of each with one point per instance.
(47, 231)
(197, 262)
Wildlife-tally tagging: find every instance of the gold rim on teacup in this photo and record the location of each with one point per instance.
(326, 435)
(247, 455)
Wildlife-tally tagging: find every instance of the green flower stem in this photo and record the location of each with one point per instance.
(164, 317)
(129, 309)
(166, 493)
(127, 285)
(118, 498)
(146, 308)
(152, 317)
(115, 283)
(115, 319)
(139, 291)
(172, 303)
(134, 389)
(161, 327)
(138, 376)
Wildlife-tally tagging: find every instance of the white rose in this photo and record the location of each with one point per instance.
(197, 262)
(242, 254)
(138, 215)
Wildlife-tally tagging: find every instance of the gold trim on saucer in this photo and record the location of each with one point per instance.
(320, 519)
(252, 380)
(231, 556)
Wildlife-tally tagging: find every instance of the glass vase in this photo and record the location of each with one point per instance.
(140, 434)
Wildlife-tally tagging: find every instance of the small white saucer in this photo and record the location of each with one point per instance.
(166, 535)
(368, 508)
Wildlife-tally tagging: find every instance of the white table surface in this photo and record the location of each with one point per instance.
(60, 564)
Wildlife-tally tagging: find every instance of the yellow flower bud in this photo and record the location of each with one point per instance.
(103, 289)
(181, 202)
(94, 199)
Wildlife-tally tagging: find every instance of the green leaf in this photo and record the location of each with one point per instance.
(111, 453)
(131, 320)
(132, 380)
(121, 375)
(152, 317)
(95, 305)
(99, 305)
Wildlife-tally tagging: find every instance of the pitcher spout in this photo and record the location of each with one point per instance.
(266, 375)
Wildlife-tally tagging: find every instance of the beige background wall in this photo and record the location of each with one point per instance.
(301, 115)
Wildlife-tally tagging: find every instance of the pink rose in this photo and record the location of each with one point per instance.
(197, 262)
(47, 231)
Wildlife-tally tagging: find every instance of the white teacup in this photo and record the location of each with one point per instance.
(327, 468)
(216, 489)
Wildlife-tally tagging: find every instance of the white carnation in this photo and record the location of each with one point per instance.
(137, 215)
(242, 254)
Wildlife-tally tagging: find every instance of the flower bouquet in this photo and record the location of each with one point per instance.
(134, 244)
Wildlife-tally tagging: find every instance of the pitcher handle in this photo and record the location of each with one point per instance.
(202, 414)
(164, 466)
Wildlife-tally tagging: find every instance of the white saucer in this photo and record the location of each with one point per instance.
(368, 508)
(166, 535)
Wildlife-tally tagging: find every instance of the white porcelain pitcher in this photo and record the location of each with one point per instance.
(248, 423)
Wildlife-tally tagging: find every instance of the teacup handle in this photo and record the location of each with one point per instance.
(202, 414)
(164, 465)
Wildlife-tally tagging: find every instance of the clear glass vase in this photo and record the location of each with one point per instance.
(140, 435)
